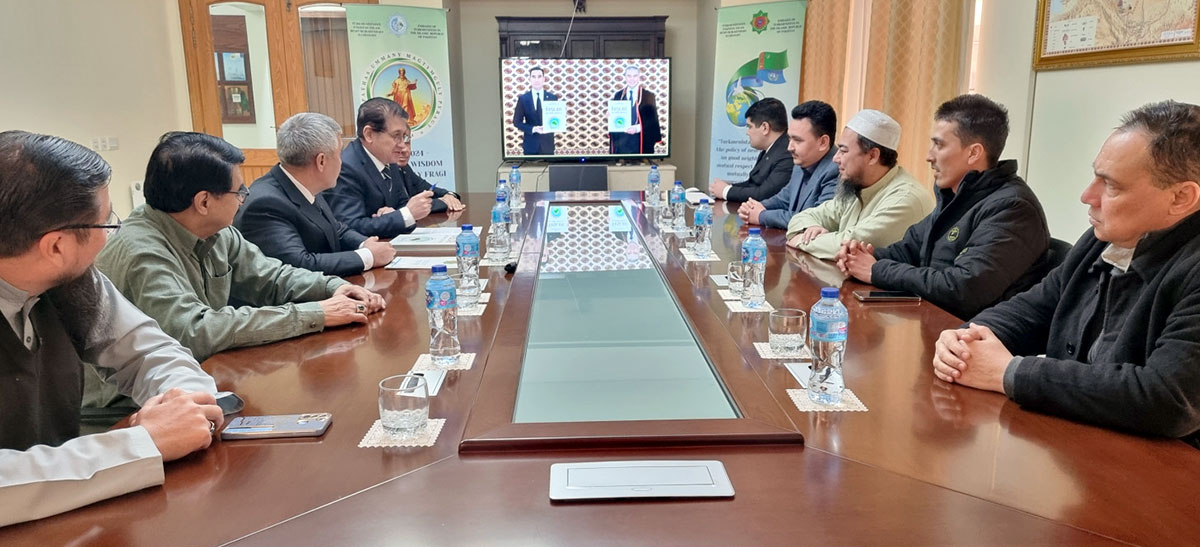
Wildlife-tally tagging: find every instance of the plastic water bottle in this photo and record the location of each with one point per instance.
(440, 300)
(516, 198)
(502, 189)
(828, 323)
(677, 201)
(704, 221)
(467, 251)
(754, 266)
(497, 239)
(652, 180)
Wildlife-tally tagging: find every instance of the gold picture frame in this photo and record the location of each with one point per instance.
(1089, 54)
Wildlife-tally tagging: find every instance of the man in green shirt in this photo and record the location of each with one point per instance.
(179, 259)
(877, 200)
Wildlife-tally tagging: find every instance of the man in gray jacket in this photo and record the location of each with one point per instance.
(814, 177)
(1110, 337)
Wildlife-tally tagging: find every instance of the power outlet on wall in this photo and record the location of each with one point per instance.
(104, 144)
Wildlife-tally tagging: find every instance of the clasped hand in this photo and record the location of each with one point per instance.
(973, 356)
(855, 259)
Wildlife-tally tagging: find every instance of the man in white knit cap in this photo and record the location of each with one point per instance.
(877, 200)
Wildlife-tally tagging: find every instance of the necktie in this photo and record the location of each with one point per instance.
(387, 178)
(537, 101)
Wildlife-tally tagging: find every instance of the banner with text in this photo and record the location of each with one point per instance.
(759, 48)
(401, 53)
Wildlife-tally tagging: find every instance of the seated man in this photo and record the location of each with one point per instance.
(988, 238)
(377, 193)
(1116, 322)
(767, 126)
(59, 313)
(877, 200)
(179, 259)
(814, 176)
(287, 217)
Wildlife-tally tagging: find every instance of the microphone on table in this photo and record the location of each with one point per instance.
(511, 267)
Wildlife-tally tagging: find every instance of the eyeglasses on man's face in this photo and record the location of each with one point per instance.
(110, 226)
(242, 193)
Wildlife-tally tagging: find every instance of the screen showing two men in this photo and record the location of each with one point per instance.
(580, 108)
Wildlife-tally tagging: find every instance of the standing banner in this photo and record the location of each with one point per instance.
(759, 48)
(401, 53)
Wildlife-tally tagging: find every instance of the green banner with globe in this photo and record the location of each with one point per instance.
(401, 53)
(759, 48)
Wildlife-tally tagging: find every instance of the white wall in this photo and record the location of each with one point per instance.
(89, 69)
(1071, 111)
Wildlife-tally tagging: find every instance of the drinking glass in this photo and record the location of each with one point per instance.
(787, 331)
(403, 405)
(734, 276)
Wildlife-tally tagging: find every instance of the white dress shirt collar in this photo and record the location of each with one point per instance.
(303, 191)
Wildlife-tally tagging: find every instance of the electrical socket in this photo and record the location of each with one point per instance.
(105, 144)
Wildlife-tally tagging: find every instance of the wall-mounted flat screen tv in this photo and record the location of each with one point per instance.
(585, 109)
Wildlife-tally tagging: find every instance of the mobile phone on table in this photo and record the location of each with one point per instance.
(279, 426)
(886, 296)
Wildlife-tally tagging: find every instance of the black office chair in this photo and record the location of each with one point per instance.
(578, 177)
(1057, 253)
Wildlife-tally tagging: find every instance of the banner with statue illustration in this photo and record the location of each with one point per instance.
(759, 49)
(401, 53)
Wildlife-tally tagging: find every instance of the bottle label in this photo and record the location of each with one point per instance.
(676, 197)
(497, 216)
(468, 250)
(828, 331)
(441, 299)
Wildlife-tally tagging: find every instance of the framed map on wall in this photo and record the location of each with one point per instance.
(1082, 33)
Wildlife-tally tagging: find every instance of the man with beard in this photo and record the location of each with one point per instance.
(183, 263)
(986, 242)
(61, 312)
(377, 193)
(1110, 337)
(877, 200)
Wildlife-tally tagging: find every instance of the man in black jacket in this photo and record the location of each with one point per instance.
(377, 193)
(766, 125)
(286, 215)
(987, 239)
(1116, 322)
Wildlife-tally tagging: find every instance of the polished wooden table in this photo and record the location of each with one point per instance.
(929, 463)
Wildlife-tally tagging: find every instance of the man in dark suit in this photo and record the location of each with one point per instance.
(644, 132)
(528, 115)
(288, 218)
(814, 174)
(766, 125)
(377, 193)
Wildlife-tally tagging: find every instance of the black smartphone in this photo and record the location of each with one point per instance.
(886, 296)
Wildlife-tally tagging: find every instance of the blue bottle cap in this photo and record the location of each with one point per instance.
(654, 168)
(703, 201)
(468, 228)
(679, 183)
(500, 199)
(501, 181)
(755, 231)
(826, 292)
(438, 268)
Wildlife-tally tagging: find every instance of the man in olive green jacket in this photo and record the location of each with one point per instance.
(179, 259)
(877, 200)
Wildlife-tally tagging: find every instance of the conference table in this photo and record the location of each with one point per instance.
(927, 463)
